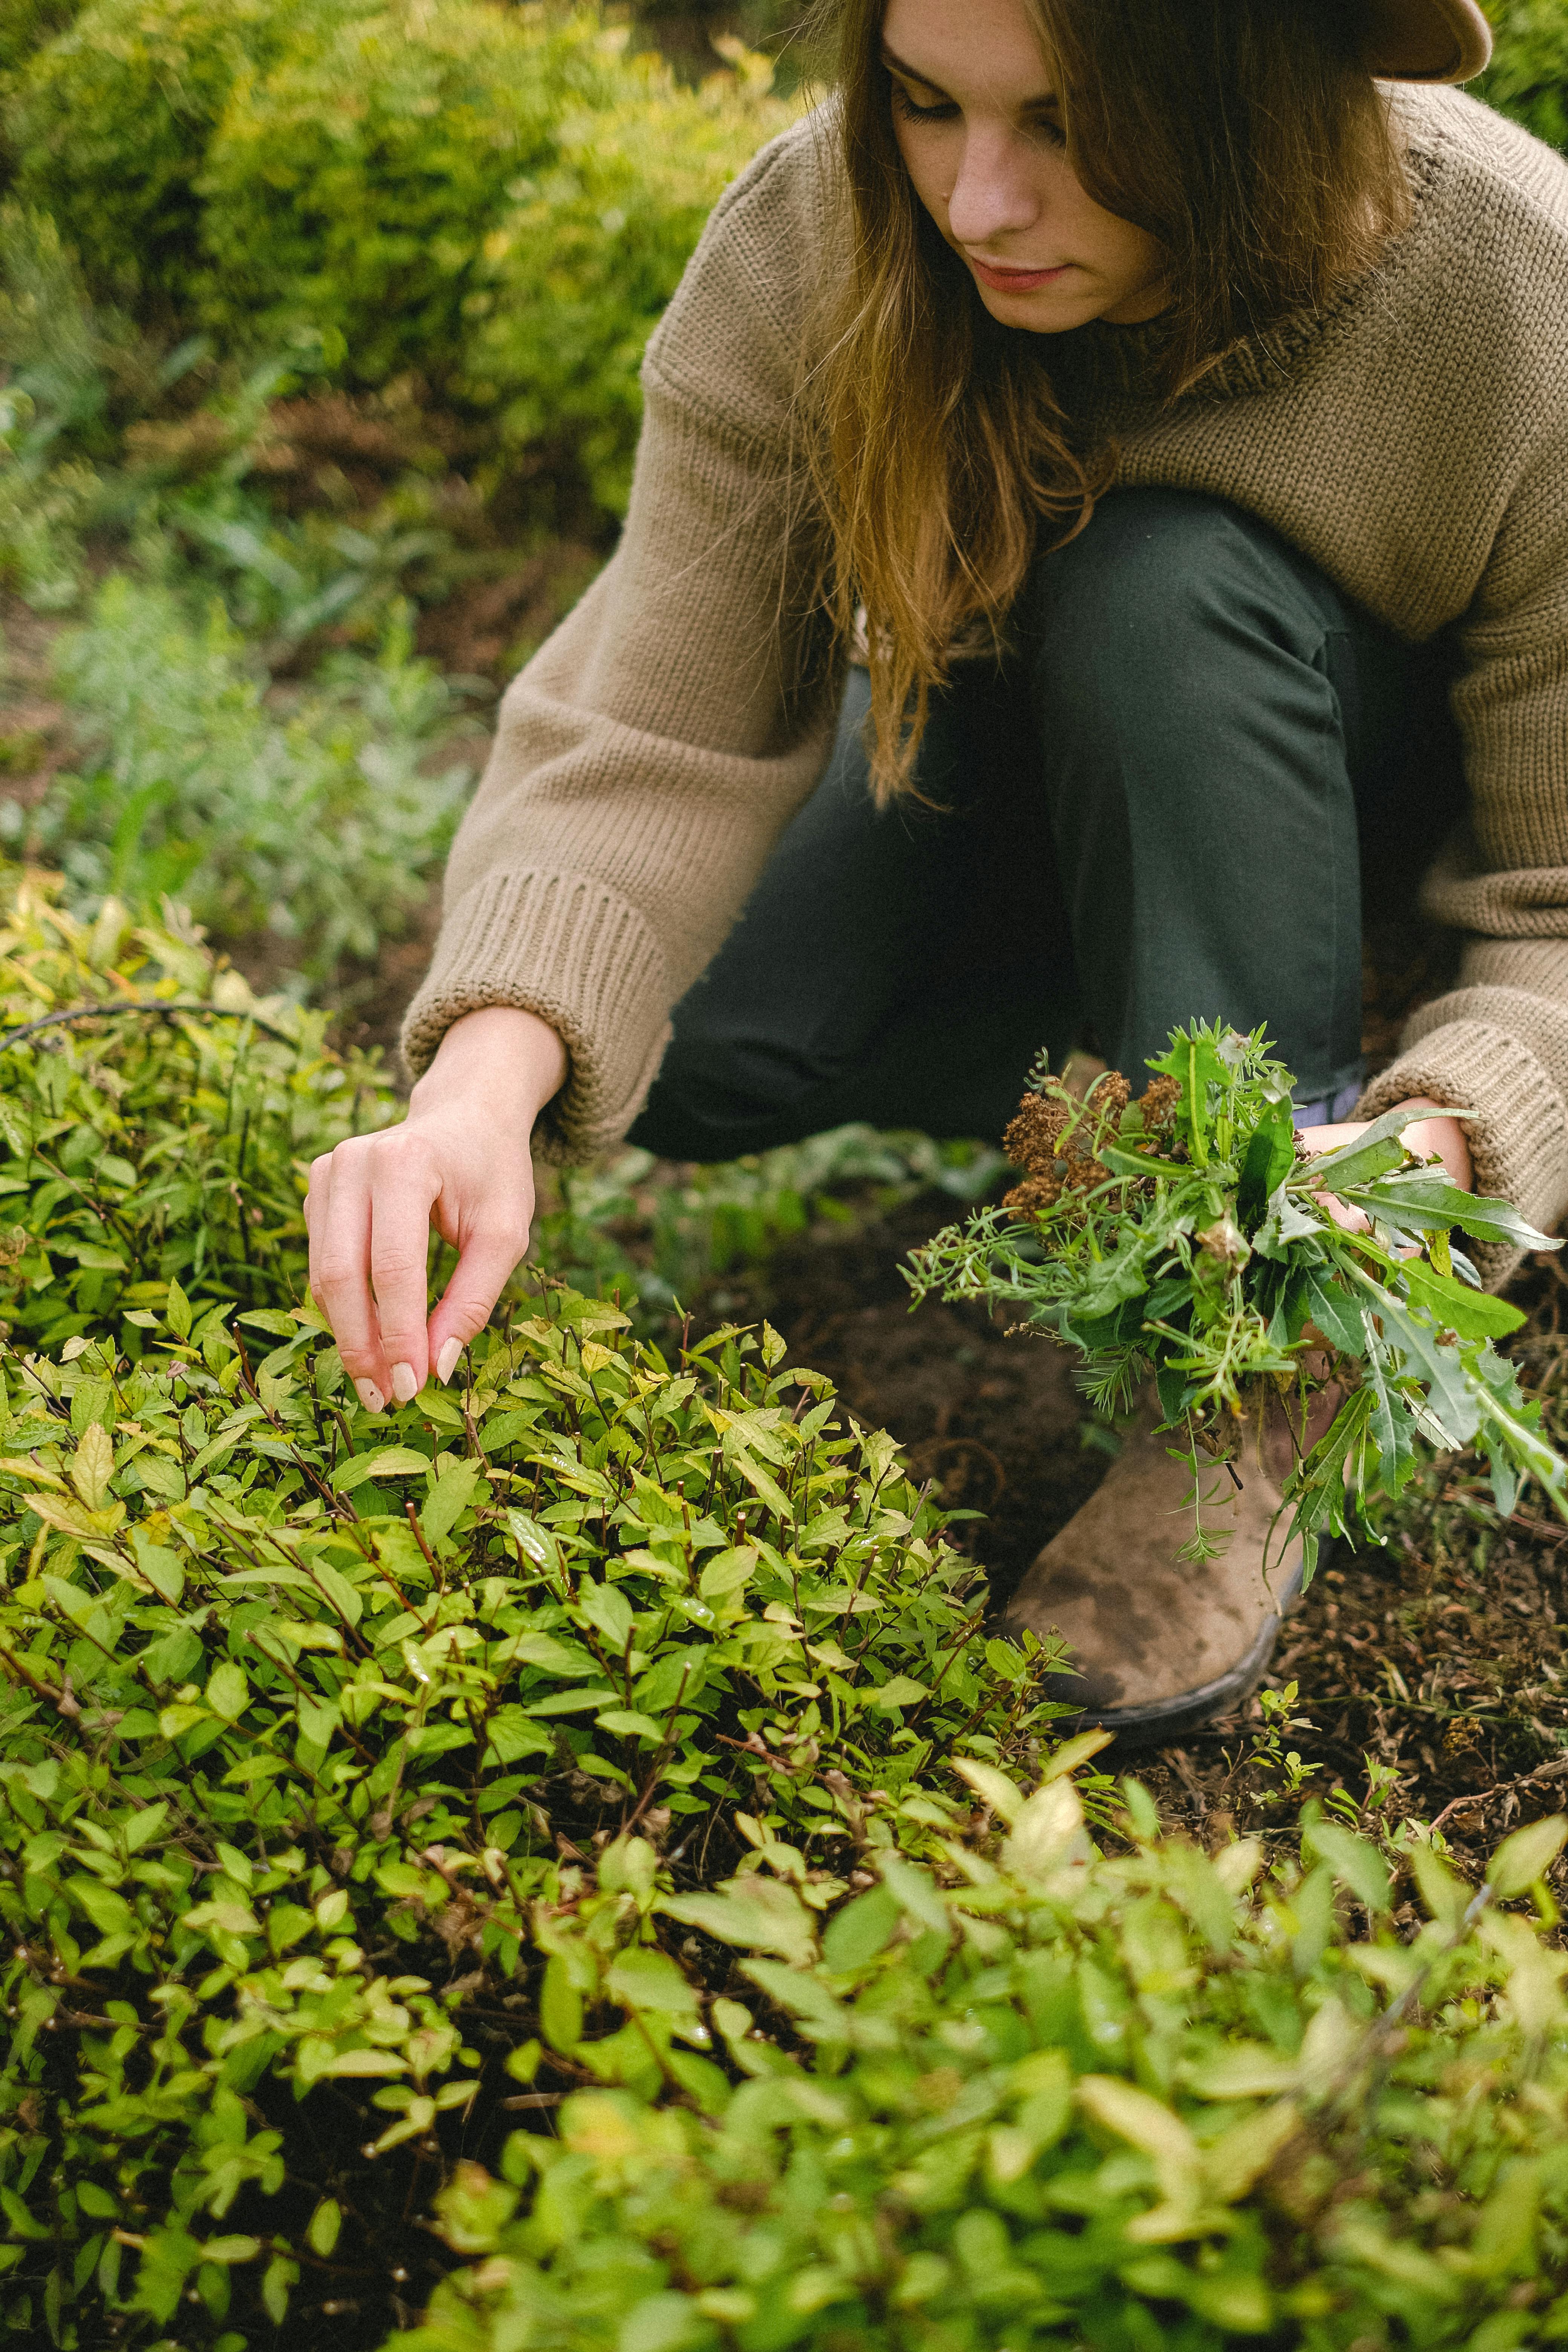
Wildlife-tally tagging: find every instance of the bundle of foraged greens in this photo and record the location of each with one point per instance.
(1187, 1237)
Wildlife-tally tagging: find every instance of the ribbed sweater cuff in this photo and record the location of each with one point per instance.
(1519, 1132)
(582, 958)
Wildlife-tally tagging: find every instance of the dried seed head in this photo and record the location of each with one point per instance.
(1110, 1099)
(1035, 1193)
(1033, 1138)
(1158, 1099)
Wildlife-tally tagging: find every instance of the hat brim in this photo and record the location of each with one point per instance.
(1426, 40)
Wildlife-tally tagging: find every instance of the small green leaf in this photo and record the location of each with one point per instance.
(758, 1913)
(856, 1934)
(608, 1610)
(1526, 1857)
(453, 1491)
(227, 1691)
(1354, 1863)
(381, 1462)
(559, 2008)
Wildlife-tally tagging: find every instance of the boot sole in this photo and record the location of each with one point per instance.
(1167, 1720)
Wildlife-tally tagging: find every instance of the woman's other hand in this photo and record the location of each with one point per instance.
(460, 1161)
(1440, 1135)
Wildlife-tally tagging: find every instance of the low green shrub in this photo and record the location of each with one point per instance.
(573, 278)
(139, 1150)
(109, 122)
(314, 1723)
(1158, 2101)
(353, 185)
(500, 198)
(28, 24)
(323, 827)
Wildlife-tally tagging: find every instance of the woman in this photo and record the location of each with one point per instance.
(1185, 407)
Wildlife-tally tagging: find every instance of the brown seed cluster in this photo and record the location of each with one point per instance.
(1055, 1140)
(1159, 1102)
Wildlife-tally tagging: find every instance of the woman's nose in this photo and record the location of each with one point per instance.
(993, 193)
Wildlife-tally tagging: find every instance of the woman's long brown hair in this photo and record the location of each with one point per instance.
(1246, 135)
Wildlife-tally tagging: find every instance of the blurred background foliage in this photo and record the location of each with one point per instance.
(320, 328)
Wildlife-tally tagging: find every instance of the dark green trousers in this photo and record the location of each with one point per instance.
(1160, 807)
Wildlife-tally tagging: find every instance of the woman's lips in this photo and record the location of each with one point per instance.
(1015, 281)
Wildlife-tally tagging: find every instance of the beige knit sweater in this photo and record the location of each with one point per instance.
(1413, 442)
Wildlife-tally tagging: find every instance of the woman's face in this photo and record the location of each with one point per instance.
(980, 130)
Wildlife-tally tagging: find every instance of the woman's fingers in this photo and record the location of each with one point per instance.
(369, 1220)
(491, 1256)
(461, 1161)
(337, 1212)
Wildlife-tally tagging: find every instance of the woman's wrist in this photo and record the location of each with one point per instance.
(517, 1057)
(1443, 1136)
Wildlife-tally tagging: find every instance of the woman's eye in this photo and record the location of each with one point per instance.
(1047, 127)
(942, 111)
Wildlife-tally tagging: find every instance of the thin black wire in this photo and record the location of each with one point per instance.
(161, 1008)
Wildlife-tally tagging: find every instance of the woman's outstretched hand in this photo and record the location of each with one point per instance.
(460, 1161)
(1439, 1135)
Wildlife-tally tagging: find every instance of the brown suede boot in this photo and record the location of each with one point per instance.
(1162, 1644)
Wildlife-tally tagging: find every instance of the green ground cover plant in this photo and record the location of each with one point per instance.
(613, 1735)
(161, 1120)
(1184, 1238)
(703, 1222)
(362, 1696)
(1062, 2100)
(609, 1739)
(323, 825)
(156, 1121)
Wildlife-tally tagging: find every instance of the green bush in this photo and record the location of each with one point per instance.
(322, 827)
(351, 186)
(498, 198)
(314, 1723)
(602, 1739)
(573, 279)
(137, 1150)
(1527, 77)
(1154, 2102)
(28, 24)
(108, 123)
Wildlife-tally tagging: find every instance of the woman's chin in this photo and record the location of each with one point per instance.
(1051, 310)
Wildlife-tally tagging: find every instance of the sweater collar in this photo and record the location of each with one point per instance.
(1096, 364)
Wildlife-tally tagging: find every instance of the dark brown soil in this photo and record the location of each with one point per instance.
(996, 1424)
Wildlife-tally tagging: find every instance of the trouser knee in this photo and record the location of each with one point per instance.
(1165, 602)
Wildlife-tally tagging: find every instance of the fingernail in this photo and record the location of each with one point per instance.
(370, 1396)
(405, 1386)
(446, 1361)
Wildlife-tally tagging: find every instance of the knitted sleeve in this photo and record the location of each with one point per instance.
(652, 753)
(1498, 1044)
